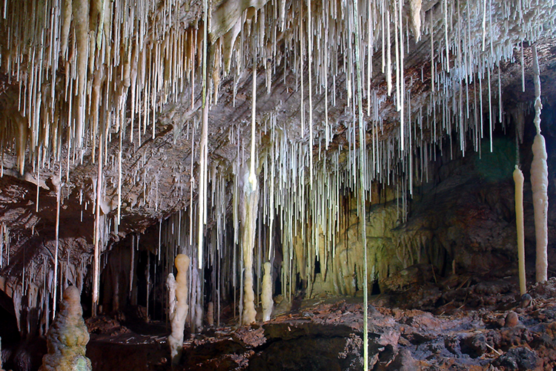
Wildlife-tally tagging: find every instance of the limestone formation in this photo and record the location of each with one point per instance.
(137, 116)
(175, 340)
(267, 292)
(210, 314)
(249, 208)
(539, 181)
(67, 337)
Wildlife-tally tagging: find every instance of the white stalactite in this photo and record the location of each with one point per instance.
(415, 12)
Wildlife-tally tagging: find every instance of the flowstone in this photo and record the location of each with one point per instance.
(67, 337)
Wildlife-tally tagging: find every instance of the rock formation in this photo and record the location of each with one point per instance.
(266, 296)
(249, 207)
(210, 314)
(68, 337)
(377, 136)
(178, 315)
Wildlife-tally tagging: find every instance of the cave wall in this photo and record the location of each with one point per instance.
(462, 221)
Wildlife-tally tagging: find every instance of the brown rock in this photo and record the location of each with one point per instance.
(512, 319)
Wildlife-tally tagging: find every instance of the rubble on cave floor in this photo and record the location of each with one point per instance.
(491, 328)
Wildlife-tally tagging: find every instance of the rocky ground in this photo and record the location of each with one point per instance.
(464, 324)
(459, 323)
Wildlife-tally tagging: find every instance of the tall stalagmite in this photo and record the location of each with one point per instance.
(67, 337)
(249, 207)
(518, 179)
(267, 292)
(175, 340)
(539, 180)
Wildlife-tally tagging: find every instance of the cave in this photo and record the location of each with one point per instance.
(277, 185)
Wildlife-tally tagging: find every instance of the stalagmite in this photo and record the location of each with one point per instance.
(267, 292)
(198, 312)
(171, 287)
(67, 337)
(177, 317)
(539, 180)
(249, 208)
(518, 179)
(210, 314)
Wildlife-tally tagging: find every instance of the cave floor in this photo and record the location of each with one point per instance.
(488, 327)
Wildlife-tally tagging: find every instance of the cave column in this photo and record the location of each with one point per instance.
(539, 180)
(249, 208)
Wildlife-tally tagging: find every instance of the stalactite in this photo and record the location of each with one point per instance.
(252, 175)
(415, 11)
(204, 142)
(81, 22)
(310, 73)
(97, 236)
(58, 188)
(362, 200)
(156, 57)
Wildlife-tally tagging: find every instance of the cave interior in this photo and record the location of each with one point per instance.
(348, 185)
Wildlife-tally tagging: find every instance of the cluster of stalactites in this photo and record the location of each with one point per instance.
(33, 290)
(79, 65)
(76, 63)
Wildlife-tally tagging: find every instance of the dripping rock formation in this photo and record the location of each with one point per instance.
(338, 172)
